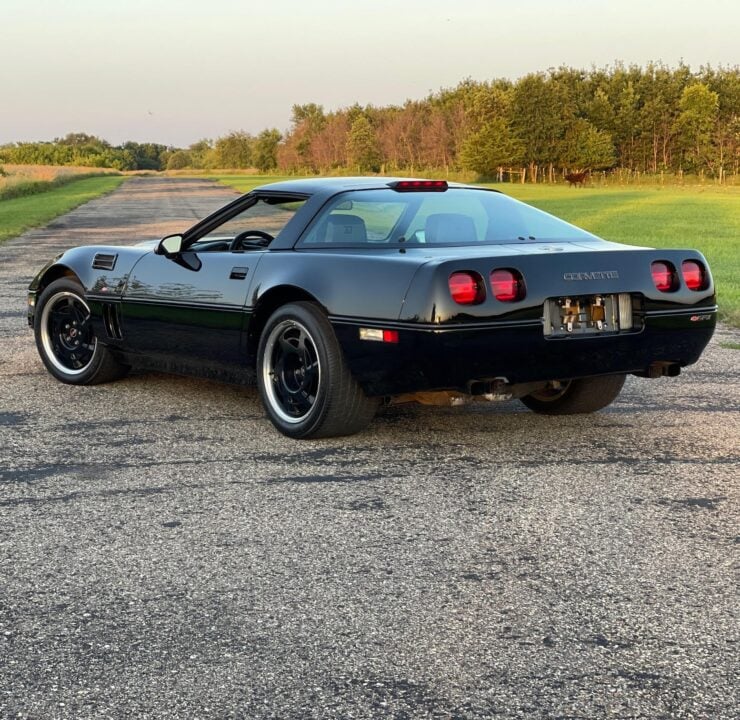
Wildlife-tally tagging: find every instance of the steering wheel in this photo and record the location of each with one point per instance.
(242, 240)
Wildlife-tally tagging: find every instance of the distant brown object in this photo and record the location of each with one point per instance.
(576, 179)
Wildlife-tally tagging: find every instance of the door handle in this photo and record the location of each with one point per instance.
(238, 273)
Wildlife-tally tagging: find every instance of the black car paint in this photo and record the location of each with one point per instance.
(203, 321)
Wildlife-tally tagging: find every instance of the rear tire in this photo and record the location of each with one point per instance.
(583, 395)
(304, 383)
(65, 338)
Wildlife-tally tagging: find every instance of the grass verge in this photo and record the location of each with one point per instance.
(34, 187)
(23, 213)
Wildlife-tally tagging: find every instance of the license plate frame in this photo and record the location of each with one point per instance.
(587, 315)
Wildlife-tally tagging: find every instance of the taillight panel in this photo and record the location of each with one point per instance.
(694, 275)
(467, 287)
(664, 275)
(507, 285)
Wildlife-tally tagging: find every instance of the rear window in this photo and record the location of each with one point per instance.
(459, 216)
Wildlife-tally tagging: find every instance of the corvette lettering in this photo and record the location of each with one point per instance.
(597, 275)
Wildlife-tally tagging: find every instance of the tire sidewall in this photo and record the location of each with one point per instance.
(310, 320)
(71, 286)
(582, 395)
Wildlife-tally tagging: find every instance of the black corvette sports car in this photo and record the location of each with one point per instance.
(338, 294)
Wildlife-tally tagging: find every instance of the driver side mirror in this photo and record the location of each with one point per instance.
(170, 245)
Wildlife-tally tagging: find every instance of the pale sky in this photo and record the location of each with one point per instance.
(175, 71)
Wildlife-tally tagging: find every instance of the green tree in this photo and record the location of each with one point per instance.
(585, 147)
(264, 151)
(307, 121)
(698, 114)
(234, 150)
(490, 148)
(600, 111)
(363, 151)
(178, 160)
(81, 140)
(202, 154)
(537, 120)
(147, 156)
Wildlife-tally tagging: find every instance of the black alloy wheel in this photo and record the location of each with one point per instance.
(304, 383)
(66, 340)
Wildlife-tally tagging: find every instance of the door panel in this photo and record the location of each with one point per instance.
(171, 309)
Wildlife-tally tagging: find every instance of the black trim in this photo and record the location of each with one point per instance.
(431, 327)
(103, 298)
(104, 261)
(112, 320)
(238, 273)
(186, 304)
(693, 310)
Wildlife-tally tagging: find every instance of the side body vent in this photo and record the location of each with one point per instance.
(112, 320)
(104, 261)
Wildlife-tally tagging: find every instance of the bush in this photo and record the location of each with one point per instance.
(178, 160)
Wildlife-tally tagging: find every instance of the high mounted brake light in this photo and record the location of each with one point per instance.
(418, 185)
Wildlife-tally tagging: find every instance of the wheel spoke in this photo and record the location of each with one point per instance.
(287, 347)
(291, 370)
(67, 332)
(311, 373)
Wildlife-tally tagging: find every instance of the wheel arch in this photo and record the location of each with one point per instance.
(270, 301)
(55, 272)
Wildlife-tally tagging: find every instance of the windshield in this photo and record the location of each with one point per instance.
(459, 216)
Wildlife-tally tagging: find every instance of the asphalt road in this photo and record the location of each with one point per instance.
(164, 553)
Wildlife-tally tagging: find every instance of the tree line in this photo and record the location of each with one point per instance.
(648, 119)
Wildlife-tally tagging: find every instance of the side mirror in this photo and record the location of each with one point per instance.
(170, 245)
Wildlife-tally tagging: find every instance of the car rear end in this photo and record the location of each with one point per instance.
(470, 322)
(504, 294)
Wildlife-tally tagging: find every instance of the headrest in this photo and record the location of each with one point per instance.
(450, 228)
(343, 228)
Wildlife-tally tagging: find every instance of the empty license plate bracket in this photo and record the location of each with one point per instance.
(578, 315)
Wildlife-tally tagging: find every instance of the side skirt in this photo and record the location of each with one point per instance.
(175, 366)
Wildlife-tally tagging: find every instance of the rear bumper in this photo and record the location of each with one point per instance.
(433, 358)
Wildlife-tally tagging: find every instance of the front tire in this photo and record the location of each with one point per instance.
(572, 397)
(65, 338)
(304, 383)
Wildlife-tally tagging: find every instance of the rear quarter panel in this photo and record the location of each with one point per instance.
(347, 283)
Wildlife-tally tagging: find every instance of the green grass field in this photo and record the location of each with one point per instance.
(20, 214)
(706, 218)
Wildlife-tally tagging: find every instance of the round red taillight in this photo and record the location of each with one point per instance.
(694, 275)
(466, 288)
(664, 276)
(507, 285)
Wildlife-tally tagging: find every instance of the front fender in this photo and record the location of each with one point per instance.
(79, 262)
